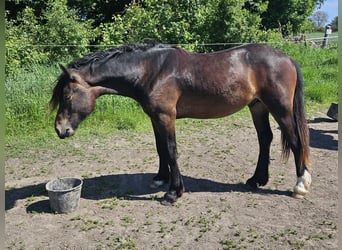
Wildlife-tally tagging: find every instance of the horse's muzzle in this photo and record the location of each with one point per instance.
(64, 132)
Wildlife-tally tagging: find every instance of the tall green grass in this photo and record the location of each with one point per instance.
(27, 95)
(319, 68)
(28, 117)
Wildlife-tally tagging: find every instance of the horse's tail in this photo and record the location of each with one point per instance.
(300, 122)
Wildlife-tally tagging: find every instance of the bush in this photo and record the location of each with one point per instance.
(62, 29)
(192, 22)
(20, 40)
(56, 35)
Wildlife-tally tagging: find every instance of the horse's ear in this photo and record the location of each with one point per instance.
(64, 69)
(67, 73)
(99, 90)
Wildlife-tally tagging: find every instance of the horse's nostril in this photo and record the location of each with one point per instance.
(58, 131)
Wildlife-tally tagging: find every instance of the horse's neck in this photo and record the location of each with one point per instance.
(129, 77)
(118, 78)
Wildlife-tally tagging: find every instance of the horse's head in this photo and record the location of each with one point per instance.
(75, 99)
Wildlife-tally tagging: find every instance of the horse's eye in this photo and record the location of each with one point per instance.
(67, 97)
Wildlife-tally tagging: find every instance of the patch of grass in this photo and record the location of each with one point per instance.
(30, 200)
(231, 244)
(89, 224)
(319, 68)
(76, 218)
(110, 203)
(128, 219)
(125, 243)
(29, 120)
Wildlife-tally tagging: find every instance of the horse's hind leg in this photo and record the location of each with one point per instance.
(291, 140)
(260, 115)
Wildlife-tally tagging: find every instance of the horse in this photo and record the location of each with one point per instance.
(171, 83)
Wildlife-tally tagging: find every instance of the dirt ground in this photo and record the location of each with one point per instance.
(118, 209)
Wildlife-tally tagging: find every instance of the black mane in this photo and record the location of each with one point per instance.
(97, 56)
(112, 53)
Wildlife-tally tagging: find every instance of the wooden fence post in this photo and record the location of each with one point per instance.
(326, 36)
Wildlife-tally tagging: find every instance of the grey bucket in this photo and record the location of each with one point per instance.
(64, 194)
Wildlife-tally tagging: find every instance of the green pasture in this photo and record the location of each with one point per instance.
(319, 34)
(30, 122)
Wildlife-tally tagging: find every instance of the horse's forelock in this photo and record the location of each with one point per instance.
(57, 91)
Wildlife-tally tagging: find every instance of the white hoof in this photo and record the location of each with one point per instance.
(156, 184)
(302, 186)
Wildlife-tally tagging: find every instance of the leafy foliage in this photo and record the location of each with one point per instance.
(334, 24)
(45, 31)
(191, 22)
(62, 27)
(34, 40)
(20, 36)
(289, 16)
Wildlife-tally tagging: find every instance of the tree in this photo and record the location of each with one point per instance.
(15, 7)
(159, 20)
(64, 31)
(101, 11)
(288, 16)
(320, 18)
(228, 21)
(20, 37)
(32, 40)
(187, 22)
(334, 24)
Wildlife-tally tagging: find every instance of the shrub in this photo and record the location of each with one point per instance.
(20, 40)
(56, 35)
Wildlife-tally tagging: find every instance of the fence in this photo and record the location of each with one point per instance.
(318, 41)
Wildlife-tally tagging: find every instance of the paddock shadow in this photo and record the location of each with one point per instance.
(42, 206)
(128, 186)
(14, 194)
(320, 138)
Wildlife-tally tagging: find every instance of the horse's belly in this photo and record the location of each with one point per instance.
(205, 107)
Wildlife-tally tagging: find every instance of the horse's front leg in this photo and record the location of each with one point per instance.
(163, 175)
(260, 116)
(165, 124)
(176, 186)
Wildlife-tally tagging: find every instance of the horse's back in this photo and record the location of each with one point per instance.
(212, 85)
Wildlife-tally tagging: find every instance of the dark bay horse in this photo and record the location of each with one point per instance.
(171, 83)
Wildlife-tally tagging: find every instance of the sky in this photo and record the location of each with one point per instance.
(331, 8)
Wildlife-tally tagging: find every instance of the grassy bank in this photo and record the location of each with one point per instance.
(29, 120)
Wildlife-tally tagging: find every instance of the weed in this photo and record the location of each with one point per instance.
(296, 244)
(128, 219)
(31, 199)
(110, 203)
(124, 243)
(89, 225)
(231, 244)
(77, 217)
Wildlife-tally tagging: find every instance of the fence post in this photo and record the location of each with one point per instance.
(326, 36)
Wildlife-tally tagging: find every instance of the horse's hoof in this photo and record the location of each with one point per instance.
(302, 186)
(166, 203)
(297, 196)
(169, 198)
(252, 185)
(156, 184)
